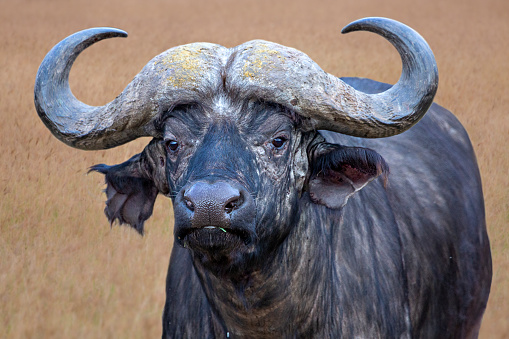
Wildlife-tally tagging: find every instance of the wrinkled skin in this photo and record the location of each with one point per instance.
(313, 237)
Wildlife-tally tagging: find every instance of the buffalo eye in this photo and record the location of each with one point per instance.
(279, 142)
(172, 145)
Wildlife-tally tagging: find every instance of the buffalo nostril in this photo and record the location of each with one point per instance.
(229, 207)
(232, 204)
(189, 204)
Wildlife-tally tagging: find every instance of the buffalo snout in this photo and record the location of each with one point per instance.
(212, 216)
(212, 204)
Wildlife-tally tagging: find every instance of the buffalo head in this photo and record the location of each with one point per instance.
(235, 136)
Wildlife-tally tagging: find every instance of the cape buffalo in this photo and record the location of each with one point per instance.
(287, 221)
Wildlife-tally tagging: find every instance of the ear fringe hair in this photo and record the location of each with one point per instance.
(363, 159)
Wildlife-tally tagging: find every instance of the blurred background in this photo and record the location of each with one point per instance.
(65, 273)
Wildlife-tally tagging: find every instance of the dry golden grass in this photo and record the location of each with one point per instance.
(65, 273)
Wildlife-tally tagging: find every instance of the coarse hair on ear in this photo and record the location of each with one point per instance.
(337, 172)
(130, 195)
(132, 186)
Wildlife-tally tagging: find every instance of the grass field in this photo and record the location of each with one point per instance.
(65, 273)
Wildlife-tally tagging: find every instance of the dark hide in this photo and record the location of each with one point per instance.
(337, 246)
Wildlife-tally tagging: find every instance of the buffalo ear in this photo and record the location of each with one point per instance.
(337, 172)
(130, 192)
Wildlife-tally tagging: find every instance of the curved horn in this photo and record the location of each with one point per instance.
(404, 104)
(288, 76)
(180, 73)
(70, 120)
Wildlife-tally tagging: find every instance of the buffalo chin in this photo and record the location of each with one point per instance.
(217, 248)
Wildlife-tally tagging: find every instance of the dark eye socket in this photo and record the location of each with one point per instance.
(279, 142)
(172, 145)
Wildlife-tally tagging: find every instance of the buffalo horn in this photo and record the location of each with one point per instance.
(70, 120)
(170, 77)
(289, 77)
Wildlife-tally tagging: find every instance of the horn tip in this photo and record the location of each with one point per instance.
(118, 32)
(107, 32)
(365, 23)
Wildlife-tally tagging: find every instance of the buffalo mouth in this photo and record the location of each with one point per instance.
(214, 238)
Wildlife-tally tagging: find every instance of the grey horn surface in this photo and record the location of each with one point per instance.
(70, 120)
(183, 73)
(410, 98)
(289, 77)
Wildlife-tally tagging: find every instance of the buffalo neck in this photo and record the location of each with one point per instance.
(327, 260)
(282, 291)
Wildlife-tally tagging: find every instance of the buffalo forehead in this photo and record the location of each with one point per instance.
(251, 70)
